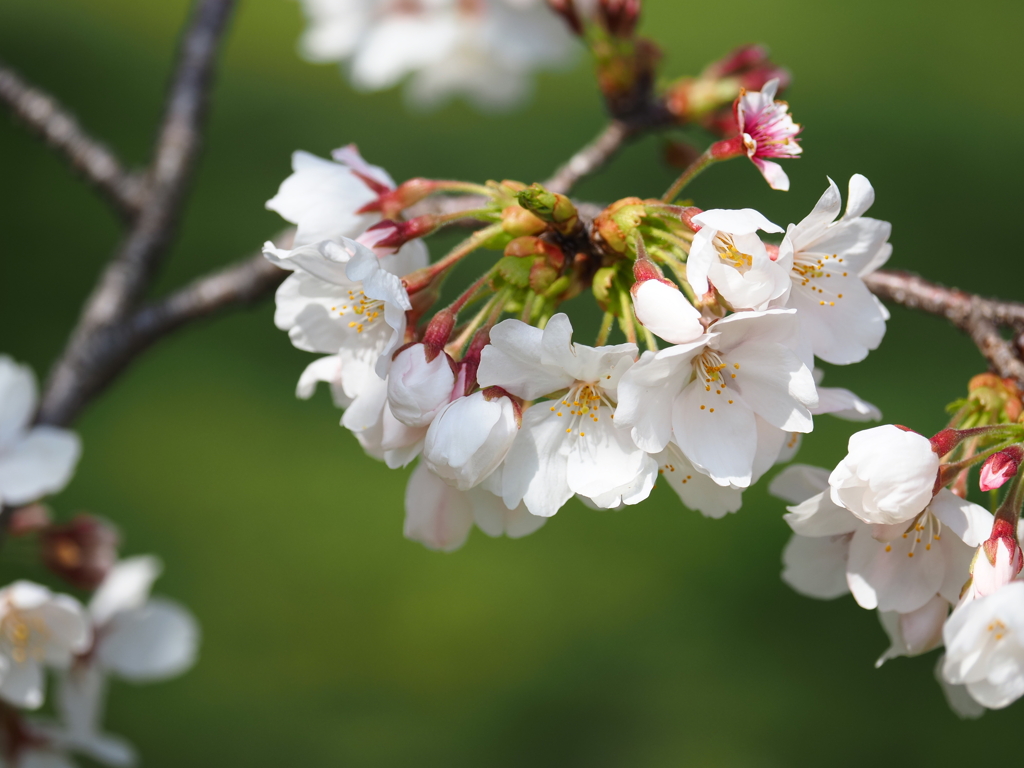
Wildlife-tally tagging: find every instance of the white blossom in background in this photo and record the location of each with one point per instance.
(482, 50)
(138, 638)
(727, 253)
(34, 460)
(37, 629)
(569, 444)
(827, 260)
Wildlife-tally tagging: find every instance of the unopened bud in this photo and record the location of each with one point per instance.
(391, 202)
(387, 237)
(471, 436)
(998, 561)
(542, 277)
(82, 551)
(1000, 467)
(738, 60)
(526, 247)
(517, 222)
(437, 333)
(558, 210)
(617, 224)
(942, 442)
(619, 17)
(419, 386)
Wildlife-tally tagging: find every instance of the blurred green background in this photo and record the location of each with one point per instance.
(649, 637)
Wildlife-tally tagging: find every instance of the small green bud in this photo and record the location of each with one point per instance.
(558, 210)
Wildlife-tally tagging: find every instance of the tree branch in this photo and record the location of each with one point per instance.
(57, 127)
(976, 316)
(127, 277)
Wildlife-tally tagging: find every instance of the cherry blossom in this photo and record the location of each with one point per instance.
(471, 436)
(323, 197)
(914, 633)
(34, 460)
(568, 444)
(661, 307)
(440, 516)
(768, 131)
(37, 628)
(727, 253)
(707, 395)
(827, 259)
(420, 384)
(985, 647)
(888, 476)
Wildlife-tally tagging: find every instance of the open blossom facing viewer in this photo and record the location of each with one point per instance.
(827, 259)
(569, 444)
(37, 628)
(707, 395)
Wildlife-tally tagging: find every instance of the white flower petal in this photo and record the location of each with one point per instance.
(156, 641)
(39, 464)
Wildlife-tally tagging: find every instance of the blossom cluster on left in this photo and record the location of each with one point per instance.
(118, 631)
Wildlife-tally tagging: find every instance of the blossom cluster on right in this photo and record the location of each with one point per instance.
(892, 526)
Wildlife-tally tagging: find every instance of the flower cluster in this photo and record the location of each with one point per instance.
(512, 417)
(891, 525)
(121, 632)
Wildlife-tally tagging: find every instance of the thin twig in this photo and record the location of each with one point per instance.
(127, 277)
(590, 158)
(57, 127)
(976, 316)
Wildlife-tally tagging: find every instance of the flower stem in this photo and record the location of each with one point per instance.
(688, 175)
(626, 321)
(607, 321)
(422, 278)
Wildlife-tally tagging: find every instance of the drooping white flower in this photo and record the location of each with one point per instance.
(985, 647)
(37, 628)
(888, 475)
(569, 444)
(419, 385)
(342, 299)
(483, 50)
(827, 260)
(34, 461)
(323, 197)
(727, 253)
(706, 396)
(815, 559)
(440, 516)
(470, 437)
(665, 312)
(914, 633)
(767, 130)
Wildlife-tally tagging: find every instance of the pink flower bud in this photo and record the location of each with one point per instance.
(1000, 467)
(82, 551)
(998, 561)
(419, 385)
(387, 236)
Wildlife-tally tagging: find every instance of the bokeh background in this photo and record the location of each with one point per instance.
(648, 637)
